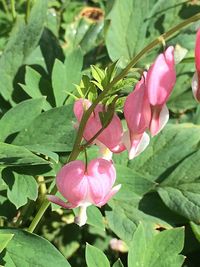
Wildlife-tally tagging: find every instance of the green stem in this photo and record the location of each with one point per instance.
(77, 148)
(5, 6)
(28, 8)
(13, 9)
(40, 212)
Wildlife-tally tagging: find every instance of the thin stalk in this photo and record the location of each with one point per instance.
(77, 148)
(13, 11)
(28, 9)
(5, 6)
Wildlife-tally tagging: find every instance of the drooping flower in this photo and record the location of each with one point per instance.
(137, 113)
(160, 81)
(83, 186)
(196, 77)
(111, 137)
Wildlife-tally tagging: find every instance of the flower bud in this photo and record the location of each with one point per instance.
(160, 81)
(137, 113)
(111, 136)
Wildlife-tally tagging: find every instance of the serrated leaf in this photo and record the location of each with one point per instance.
(95, 257)
(52, 129)
(23, 114)
(24, 246)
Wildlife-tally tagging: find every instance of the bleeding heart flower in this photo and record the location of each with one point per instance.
(83, 186)
(111, 137)
(196, 77)
(160, 81)
(137, 113)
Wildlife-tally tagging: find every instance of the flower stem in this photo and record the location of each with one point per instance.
(13, 9)
(77, 148)
(5, 6)
(28, 8)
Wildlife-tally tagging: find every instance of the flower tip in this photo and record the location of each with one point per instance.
(195, 89)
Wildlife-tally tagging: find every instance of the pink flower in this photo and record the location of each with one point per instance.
(160, 81)
(111, 137)
(196, 77)
(83, 186)
(137, 113)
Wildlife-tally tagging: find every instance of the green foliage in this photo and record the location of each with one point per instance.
(20, 116)
(4, 240)
(20, 187)
(23, 41)
(95, 257)
(123, 39)
(52, 130)
(159, 251)
(32, 245)
(11, 155)
(61, 51)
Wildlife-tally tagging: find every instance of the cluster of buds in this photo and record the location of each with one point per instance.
(144, 110)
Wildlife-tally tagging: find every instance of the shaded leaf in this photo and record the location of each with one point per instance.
(24, 247)
(20, 116)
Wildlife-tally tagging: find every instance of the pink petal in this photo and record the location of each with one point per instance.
(137, 109)
(80, 106)
(135, 144)
(56, 200)
(197, 51)
(161, 78)
(114, 190)
(72, 183)
(101, 177)
(196, 86)
(160, 117)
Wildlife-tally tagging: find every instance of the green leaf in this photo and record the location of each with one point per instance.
(125, 210)
(95, 257)
(181, 98)
(73, 64)
(127, 30)
(11, 155)
(196, 230)
(33, 81)
(118, 263)
(95, 217)
(180, 191)
(4, 240)
(84, 34)
(59, 82)
(171, 146)
(20, 188)
(30, 250)
(52, 129)
(23, 40)
(159, 251)
(20, 116)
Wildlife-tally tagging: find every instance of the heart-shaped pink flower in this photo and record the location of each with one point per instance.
(83, 186)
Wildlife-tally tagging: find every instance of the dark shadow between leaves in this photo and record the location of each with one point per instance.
(152, 204)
